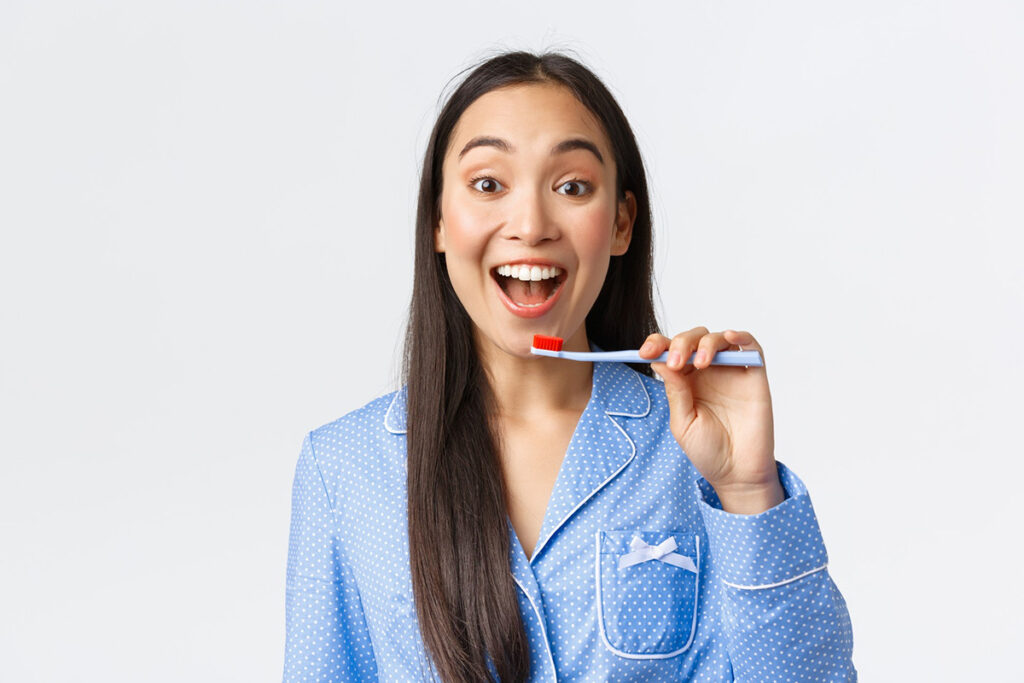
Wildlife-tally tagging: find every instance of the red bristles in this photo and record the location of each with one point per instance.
(547, 343)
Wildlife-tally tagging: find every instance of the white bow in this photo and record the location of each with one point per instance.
(643, 552)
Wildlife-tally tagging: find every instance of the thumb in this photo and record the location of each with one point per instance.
(679, 393)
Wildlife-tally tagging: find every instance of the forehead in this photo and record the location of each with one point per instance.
(528, 115)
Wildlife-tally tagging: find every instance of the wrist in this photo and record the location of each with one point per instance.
(750, 499)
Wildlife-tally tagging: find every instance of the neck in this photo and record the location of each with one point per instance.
(538, 385)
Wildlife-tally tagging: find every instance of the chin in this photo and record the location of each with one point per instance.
(512, 342)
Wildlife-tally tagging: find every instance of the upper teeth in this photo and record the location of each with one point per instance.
(529, 272)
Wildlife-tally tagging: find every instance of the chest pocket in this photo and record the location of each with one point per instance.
(647, 585)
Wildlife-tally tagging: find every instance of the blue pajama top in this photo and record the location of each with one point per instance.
(637, 575)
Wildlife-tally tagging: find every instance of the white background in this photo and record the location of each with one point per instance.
(207, 214)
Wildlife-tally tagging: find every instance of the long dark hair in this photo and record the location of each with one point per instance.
(464, 592)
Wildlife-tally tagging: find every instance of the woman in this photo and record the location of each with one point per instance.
(514, 517)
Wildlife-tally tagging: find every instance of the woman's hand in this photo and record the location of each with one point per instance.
(721, 416)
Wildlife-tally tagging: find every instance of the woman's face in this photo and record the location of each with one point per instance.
(529, 216)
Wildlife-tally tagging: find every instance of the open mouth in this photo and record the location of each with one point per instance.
(529, 286)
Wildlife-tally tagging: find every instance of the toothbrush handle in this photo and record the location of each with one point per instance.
(741, 358)
(744, 358)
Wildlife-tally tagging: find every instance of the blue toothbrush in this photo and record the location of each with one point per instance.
(552, 347)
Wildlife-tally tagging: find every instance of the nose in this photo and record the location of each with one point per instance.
(532, 220)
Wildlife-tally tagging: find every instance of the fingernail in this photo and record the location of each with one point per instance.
(701, 355)
(673, 359)
(646, 348)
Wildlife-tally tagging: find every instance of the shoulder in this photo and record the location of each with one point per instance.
(367, 420)
(362, 464)
(361, 443)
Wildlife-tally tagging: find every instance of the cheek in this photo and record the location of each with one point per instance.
(464, 227)
(464, 250)
(594, 235)
(592, 241)
(464, 240)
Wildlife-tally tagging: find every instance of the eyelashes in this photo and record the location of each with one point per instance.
(477, 179)
(578, 181)
(586, 186)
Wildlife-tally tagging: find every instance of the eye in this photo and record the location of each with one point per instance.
(581, 183)
(492, 181)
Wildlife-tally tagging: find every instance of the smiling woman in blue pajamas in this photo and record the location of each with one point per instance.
(506, 516)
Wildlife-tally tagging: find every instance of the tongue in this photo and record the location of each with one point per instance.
(528, 291)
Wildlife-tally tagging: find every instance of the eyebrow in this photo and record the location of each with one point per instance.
(504, 145)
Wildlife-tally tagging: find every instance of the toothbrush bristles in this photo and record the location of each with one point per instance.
(547, 343)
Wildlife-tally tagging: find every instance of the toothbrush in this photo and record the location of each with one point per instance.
(552, 346)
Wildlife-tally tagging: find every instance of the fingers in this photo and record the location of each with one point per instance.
(679, 348)
(683, 346)
(744, 339)
(677, 386)
(697, 341)
(746, 342)
(710, 344)
(654, 345)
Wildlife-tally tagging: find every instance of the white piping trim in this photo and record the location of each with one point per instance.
(543, 630)
(600, 608)
(636, 375)
(387, 415)
(779, 583)
(536, 551)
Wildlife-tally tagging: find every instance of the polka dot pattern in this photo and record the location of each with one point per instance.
(768, 547)
(646, 608)
(713, 596)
